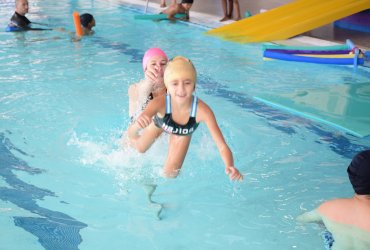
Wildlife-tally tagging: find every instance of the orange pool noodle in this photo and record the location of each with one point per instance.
(76, 19)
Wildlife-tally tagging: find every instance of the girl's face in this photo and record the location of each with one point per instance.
(181, 87)
(157, 64)
(180, 78)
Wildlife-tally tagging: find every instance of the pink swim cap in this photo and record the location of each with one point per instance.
(151, 53)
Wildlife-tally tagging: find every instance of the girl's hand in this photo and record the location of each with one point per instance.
(143, 121)
(233, 173)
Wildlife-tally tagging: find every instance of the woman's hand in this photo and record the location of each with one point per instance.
(233, 173)
(155, 76)
(151, 75)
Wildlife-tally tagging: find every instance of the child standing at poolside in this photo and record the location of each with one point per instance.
(228, 7)
(179, 114)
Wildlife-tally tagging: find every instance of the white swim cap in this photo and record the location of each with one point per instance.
(180, 66)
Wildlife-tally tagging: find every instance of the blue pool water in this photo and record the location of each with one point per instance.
(67, 183)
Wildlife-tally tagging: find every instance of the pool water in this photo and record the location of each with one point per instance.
(67, 183)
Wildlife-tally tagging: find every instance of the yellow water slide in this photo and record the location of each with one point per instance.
(289, 20)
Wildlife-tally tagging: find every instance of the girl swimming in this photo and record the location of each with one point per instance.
(179, 114)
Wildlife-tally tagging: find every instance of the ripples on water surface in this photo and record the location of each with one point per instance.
(66, 182)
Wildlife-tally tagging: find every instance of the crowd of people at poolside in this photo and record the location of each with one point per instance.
(164, 102)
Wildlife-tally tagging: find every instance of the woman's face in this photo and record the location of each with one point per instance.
(157, 64)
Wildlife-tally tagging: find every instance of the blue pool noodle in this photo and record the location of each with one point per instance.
(290, 57)
(12, 29)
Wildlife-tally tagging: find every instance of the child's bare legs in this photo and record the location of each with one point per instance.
(178, 147)
(237, 9)
(231, 9)
(224, 8)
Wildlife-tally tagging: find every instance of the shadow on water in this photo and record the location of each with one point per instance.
(54, 230)
(122, 48)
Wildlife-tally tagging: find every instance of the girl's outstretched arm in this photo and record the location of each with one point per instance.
(206, 115)
(144, 122)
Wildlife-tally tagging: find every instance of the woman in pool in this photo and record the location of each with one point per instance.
(154, 63)
(178, 114)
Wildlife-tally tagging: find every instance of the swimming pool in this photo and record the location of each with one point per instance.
(66, 183)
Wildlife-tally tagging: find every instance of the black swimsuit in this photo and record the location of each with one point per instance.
(150, 97)
(170, 126)
(20, 21)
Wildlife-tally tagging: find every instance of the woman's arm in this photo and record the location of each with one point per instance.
(145, 118)
(206, 115)
(138, 94)
(132, 101)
